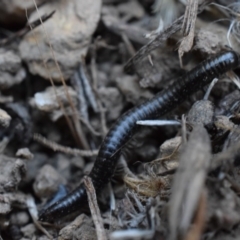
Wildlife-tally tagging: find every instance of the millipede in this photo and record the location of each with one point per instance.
(119, 134)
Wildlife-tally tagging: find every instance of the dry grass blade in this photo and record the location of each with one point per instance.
(93, 205)
(52, 83)
(80, 135)
(188, 182)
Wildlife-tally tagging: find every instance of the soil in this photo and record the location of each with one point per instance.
(69, 70)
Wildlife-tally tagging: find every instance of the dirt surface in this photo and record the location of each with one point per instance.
(69, 70)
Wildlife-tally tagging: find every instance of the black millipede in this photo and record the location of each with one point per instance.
(125, 127)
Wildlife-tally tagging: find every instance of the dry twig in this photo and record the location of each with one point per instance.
(161, 38)
(57, 147)
(93, 205)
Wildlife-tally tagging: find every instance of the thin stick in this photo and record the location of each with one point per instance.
(57, 147)
(161, 38)
(93, 205)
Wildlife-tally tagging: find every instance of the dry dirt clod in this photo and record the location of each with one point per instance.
(69, 32)
(46, 101)
(5, 206)
(202, 112)
(47, 182)
(11, 70)
(112, 100)
(81, 228)
(4, 118)
(10, 201)
(131, 90)
(12, 171)
(164, 67)
(24, 153)
(209, 42)
(29, 231)
(20, 218)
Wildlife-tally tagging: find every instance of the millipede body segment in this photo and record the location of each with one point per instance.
(125, 127)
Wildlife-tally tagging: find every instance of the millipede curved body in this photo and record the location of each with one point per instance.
(125, 127)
